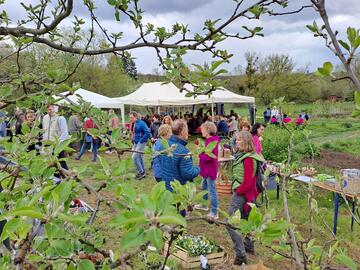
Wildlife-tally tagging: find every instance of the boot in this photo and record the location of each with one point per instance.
(249, 245)
(239, 260)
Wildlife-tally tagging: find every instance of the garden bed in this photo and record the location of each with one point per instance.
(337, 160)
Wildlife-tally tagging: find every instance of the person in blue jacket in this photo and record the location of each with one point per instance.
(223, 127)
(179, 166)
(140, 135)
(164, 132)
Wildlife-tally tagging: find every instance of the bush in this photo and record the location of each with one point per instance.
(347, 125)
(305, 150)
(326, 145)
(275, 144)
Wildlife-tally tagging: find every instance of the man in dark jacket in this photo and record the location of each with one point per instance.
(141, 134)
(179, 166)
(156, 123)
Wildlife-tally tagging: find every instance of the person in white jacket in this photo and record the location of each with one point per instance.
(55, 128)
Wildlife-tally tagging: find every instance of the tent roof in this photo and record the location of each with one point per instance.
(97, 100)
(220, 95)
(157, 94)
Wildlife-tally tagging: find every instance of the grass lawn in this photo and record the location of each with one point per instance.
(323, 218)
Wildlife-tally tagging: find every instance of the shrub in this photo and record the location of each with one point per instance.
(275, 144)
(326, 145)
(305, 150)
(347, 125)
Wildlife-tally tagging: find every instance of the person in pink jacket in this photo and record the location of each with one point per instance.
(257, 131)
(209, 168)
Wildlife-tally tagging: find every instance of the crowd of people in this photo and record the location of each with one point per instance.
(180, 165)
(245, 141)
(274, 117)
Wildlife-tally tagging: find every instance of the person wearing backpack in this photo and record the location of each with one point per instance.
(246, 186)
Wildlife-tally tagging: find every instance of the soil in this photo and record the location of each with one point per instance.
(337, 160)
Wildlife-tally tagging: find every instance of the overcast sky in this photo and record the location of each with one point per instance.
(283, 35)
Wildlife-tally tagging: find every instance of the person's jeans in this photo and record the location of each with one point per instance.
(138, 158)
(238, 203)
(94, 149)
(210, 186)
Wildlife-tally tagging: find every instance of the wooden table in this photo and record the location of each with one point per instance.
(337, 193)
(349, 196)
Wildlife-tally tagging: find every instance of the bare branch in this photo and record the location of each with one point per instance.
(289, 12)
(23, 31)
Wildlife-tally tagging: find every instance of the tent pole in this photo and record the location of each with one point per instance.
(212, 111)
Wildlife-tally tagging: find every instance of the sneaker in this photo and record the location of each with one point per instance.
(140, 176)
(240, 260)
(108, 152)
(77, 158)
(201, 207)
(212, 216)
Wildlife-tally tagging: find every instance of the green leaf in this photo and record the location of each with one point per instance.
(351, 35)
(62, 192)
(172, 219)
(128, 191)
(62, 247)
(36, 197)
(328, 66)
(155, 236)
(112, 2)
(85, 265)
(94, 132)
(117, 15)
(311, 28)
(357, 98)
(78, 219)
(24, 211)
(345, 45)
(10, 227)
(157, 191)
(131, 239)
(256, 10)
(105, 165)
(129, 218)
(325, 70)
(164, 201)
(345, 260)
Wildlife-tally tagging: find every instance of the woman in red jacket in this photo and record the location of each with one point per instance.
(244, 190)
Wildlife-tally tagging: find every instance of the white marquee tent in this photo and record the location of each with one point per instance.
(97, 100)
(158, 94)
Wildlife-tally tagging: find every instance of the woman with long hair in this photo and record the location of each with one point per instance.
(244, 190)
(257, 131)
